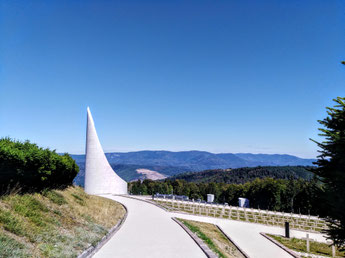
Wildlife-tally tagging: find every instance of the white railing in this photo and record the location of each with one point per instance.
(297, 221)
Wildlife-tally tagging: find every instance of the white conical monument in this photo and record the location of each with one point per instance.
(100, 178)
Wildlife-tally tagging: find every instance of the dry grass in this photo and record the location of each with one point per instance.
(102, 210)
(215, 239)
(55, 223)
(300, 245)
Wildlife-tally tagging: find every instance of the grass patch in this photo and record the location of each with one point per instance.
(11, 223)
(300, 245)
(9, 247)
(54, 197)
(30, 208)
(213, 237)
(52, 224)
(78, 199)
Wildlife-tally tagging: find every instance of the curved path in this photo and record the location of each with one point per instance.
(148, 231)
(247, 235)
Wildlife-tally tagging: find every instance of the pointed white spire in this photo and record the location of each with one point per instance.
(100, 178)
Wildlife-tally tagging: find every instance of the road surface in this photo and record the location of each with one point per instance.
(149, 231)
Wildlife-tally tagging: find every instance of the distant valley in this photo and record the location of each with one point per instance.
(167, 163)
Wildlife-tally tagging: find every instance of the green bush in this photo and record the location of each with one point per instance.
(28, 167)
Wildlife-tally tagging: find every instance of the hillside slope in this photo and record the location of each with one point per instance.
(128, 172)
(172, 163)
(55, 223)
(199, 160)
(243, 175)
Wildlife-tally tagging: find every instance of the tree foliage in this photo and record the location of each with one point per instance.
(331, 169)
(28, 167)
(296, 195)
(246, 174)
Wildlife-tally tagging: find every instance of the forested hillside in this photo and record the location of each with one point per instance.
(277, 188)
(274, 194)
(127, 172)
(200, 160)
(243, 175)
(172, 163)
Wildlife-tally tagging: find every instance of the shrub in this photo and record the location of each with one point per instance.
(32, 168)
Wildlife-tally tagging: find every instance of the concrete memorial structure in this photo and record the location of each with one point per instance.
(210, 197)
(100, 178)
(243, 202)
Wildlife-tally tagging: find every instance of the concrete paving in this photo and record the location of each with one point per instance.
(150, 232)
(247, 235)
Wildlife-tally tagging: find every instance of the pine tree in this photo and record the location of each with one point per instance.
(331, 170)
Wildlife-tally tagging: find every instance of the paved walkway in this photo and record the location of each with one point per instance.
(246, 236)
(150, 232)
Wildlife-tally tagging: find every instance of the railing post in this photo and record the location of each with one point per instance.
(287, 229)
(308, 244)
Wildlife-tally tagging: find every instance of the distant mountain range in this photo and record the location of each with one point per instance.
(171, 163)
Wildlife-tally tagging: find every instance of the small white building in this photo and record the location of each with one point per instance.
(210, 197)
(243, 202)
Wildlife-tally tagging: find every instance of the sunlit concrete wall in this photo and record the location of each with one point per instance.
(100, 178)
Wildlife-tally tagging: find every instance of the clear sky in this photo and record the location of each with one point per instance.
(220, 76)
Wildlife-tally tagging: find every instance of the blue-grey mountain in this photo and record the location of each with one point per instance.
(172, 163)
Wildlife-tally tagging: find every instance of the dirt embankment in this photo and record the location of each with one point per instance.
(55, 223)
(150, 174)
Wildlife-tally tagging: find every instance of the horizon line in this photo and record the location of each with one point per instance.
(162, 150)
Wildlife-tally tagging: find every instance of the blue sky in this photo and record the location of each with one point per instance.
(219, 76)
